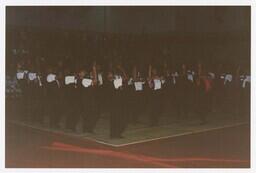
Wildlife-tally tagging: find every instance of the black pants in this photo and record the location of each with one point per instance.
(118, 120)
(91, 113)
(203, 105)
(59, 108)
(23, 101)
(72, 107)
(156, 107)
(52, 105)
(129, 102)
(31, 102)
(99, 99)
(245, 103)
(138, 103)
(182, 103)
(40, 102)
(24, 106)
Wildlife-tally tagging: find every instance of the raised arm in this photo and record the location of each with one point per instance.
(94, 74)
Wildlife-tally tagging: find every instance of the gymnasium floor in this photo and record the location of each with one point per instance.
(222, 147)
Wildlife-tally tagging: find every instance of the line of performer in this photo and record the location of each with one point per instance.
(85, 92)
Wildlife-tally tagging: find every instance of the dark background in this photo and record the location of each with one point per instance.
(210, 34)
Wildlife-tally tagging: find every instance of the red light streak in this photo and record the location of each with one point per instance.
(135, 157)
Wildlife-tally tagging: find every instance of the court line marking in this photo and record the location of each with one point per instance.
(185, 133)
(78, 136)
(81, 136)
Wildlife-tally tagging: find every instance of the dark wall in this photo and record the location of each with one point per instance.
(133, 19)
(210, 34)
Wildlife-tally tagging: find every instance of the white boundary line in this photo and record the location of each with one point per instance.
(62, 133)
(126, 144)
(185, 133)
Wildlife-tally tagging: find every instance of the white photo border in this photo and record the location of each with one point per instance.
(5, 3)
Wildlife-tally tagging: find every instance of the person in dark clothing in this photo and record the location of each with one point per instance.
(182, 92)
(41, 97)
(228, 88)
(33, 85)
(245, 96)
(22, 78)
(88, 90)
(137, 94)
(173, 93)
(190, 92)
(109, 94)
(52, 87)
(40, 92)
(203, 93)
(236, 94)
(59, 101)
(71, 101)
(166, 78)
(118, 120)
(218, 90)
(156, 106)
(99, 91)
(83, 98)
(129, 98)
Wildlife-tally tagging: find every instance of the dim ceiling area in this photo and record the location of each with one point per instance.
(132, 19)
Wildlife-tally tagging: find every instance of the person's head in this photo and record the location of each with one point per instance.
(60, 76)
(183, 66)
(82, 73)
(118, 65)
(109, 75)
(199, 65)
(19, 66)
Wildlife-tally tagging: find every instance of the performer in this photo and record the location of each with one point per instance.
(245, 94)
(41, 95)
(227, 79)
(71, 100)
(155, 84)
(190, 92)
(174, 92)
(218, 89)
(168, 88)
(33, 85)
(100, 98)
(117, 119)
(203, 91)
(138, 90)
(52, 96)
(60, 102)
(83, 97)
(182, 89)
(236, 93)
(90, 82)
(128, 96)
(22, 79)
